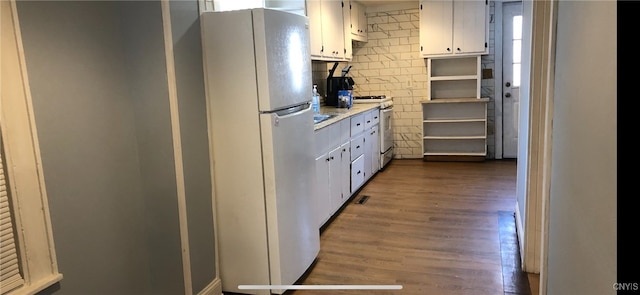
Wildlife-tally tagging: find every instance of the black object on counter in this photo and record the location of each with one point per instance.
(335, 84)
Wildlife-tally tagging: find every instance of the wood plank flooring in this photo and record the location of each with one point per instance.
(432, 227)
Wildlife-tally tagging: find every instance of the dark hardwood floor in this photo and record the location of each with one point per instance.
(431, 227)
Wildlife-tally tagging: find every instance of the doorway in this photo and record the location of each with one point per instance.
(511, 78)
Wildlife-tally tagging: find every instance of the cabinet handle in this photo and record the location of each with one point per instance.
(448, 49)
(369, 121)
(358, 172)
(458, 49)
(375, 117)
(327, 160)
(357, 147)
(358, 124)
(331, 158)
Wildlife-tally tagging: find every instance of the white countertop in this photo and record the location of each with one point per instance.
(343, 113)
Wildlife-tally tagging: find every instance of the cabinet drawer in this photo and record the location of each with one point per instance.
(367, 120)
(357, 124)
(375, 117)
(357, 146)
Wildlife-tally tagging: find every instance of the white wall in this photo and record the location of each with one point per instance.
(583, 198)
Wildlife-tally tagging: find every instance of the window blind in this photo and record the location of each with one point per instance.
(10, 277)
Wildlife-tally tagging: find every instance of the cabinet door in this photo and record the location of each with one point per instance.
(346, 32)
(357, 173)
(335, 185)
(354, 8)
(469, 26)
(368, 145)
(332, 29)
(358, 22)
(322, 192)
(436, 27)
(314, 14)
(362, 23)
(375, 149)
(449, 27)
(345, 171)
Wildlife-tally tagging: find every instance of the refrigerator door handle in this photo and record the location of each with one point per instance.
(289, 112)
(292, 110)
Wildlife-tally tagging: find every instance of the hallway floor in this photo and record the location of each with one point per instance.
(431, 227)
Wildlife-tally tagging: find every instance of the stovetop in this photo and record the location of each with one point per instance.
(383, 100)
(379, 97)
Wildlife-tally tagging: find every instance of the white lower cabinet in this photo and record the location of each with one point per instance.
(371, 143)
(347, 155)
(372, 150)
(357, 161)
(333, 162)
(335, 179)
(357, 173)
(322, 191)
(345, 172)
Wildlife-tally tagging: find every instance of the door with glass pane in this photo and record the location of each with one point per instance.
(511, 63)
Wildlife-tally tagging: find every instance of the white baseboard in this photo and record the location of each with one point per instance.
(214, 288)
(520, 232)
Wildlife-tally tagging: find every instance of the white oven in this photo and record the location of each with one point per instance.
(386, 135)
(386, 124)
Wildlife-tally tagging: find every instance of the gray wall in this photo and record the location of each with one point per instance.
(143, 42)
(583, 197)
(185, 25)
(86, 128)
(98, 79)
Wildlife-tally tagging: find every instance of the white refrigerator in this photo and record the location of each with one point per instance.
(258, 76)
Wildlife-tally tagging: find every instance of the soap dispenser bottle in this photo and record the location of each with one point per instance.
(315, 100)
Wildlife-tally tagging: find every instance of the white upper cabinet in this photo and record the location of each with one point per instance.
(315, 28)
(347, 19)
(453, 27)
(358, 26)
(326, 26)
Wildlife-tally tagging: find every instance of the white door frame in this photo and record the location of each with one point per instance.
(534, 241)
(544, 19)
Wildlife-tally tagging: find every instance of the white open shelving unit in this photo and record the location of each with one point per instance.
(454, 125)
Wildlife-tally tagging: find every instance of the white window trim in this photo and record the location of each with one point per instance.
(23, 162)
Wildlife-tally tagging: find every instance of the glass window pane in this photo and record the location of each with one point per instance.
(517, 27)
(517, 50)
(516, 75)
